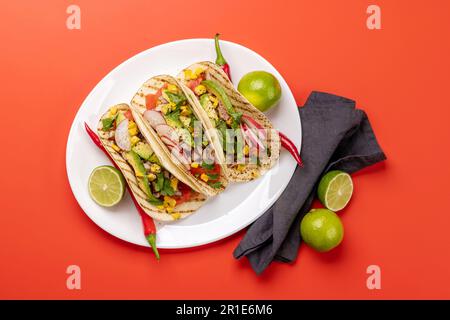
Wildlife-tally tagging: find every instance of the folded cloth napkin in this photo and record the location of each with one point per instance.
(335, 136)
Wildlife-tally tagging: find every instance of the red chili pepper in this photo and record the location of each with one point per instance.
(147, 221)
(220, 60)
(290, 146)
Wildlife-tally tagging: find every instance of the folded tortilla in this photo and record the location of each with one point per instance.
(179, 211)
(240, 104)
(138, 107)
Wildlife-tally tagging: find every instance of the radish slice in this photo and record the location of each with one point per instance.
(155, 118)
(244, 135)
(258, 130)
(122, 137)
(252, 121)
(166, 130)
(252, 136)
(178, 153)
(168, 142)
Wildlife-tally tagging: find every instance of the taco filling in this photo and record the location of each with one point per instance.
(248, 145)
(170, 115)
(163, 190)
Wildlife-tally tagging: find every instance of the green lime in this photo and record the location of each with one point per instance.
(261, 88)
(106, 186)
(335, 190)
(322, 229)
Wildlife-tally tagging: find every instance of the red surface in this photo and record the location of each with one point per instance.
(399, 216)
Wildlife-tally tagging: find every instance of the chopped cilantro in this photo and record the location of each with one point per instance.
(216, 185)
(108, 122)
(207, 165)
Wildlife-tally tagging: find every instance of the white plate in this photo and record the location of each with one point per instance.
(221, 216)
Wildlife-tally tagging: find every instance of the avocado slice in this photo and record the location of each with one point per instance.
(220, 93)
(120, 117)
(143, 150)
(204, 100)
(209, 108)
(154, 159)
(141, 174)
(173, 119)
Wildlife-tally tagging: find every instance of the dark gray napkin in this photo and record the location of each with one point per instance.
(335, 136)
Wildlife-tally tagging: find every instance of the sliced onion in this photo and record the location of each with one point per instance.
(155, 118)
(122, 136)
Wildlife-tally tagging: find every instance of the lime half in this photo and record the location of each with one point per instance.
(335, 190)
(106, 186)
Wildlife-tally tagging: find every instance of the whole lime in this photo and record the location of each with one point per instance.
(321, 229)
(261, 88)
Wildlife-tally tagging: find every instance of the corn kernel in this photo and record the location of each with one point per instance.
(134, 140)
(214, 101)
(200, 89)
(240, 167)
(229, 121)
(171, 202)
(204, 177)
(198, 72)
(172, 88)
(115, 147)
(255, 174)
(194, 165)
(161, 207)
(170, 210)
(185, 111)
(174, 183)
(154, 168)
(113, 111)
(151, 177)
(132, 128)
(176, 216)
(189, 75)
(166, 108)
(246, 150)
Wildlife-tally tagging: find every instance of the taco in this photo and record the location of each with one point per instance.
(254, 146)
(168, 118)
(152, 180)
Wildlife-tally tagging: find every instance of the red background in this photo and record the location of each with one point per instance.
(399, 216)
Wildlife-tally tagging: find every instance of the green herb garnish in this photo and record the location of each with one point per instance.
(213, 176)
(167, 189)
(159, 182)
(207, 166)
(216, 185)
(178, 99)
(109, 122)
(154, 200)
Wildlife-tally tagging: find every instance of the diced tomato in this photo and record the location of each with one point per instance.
(128, 115)
(199, 170)
(186, 193)
(193, 83)
(152, 99)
